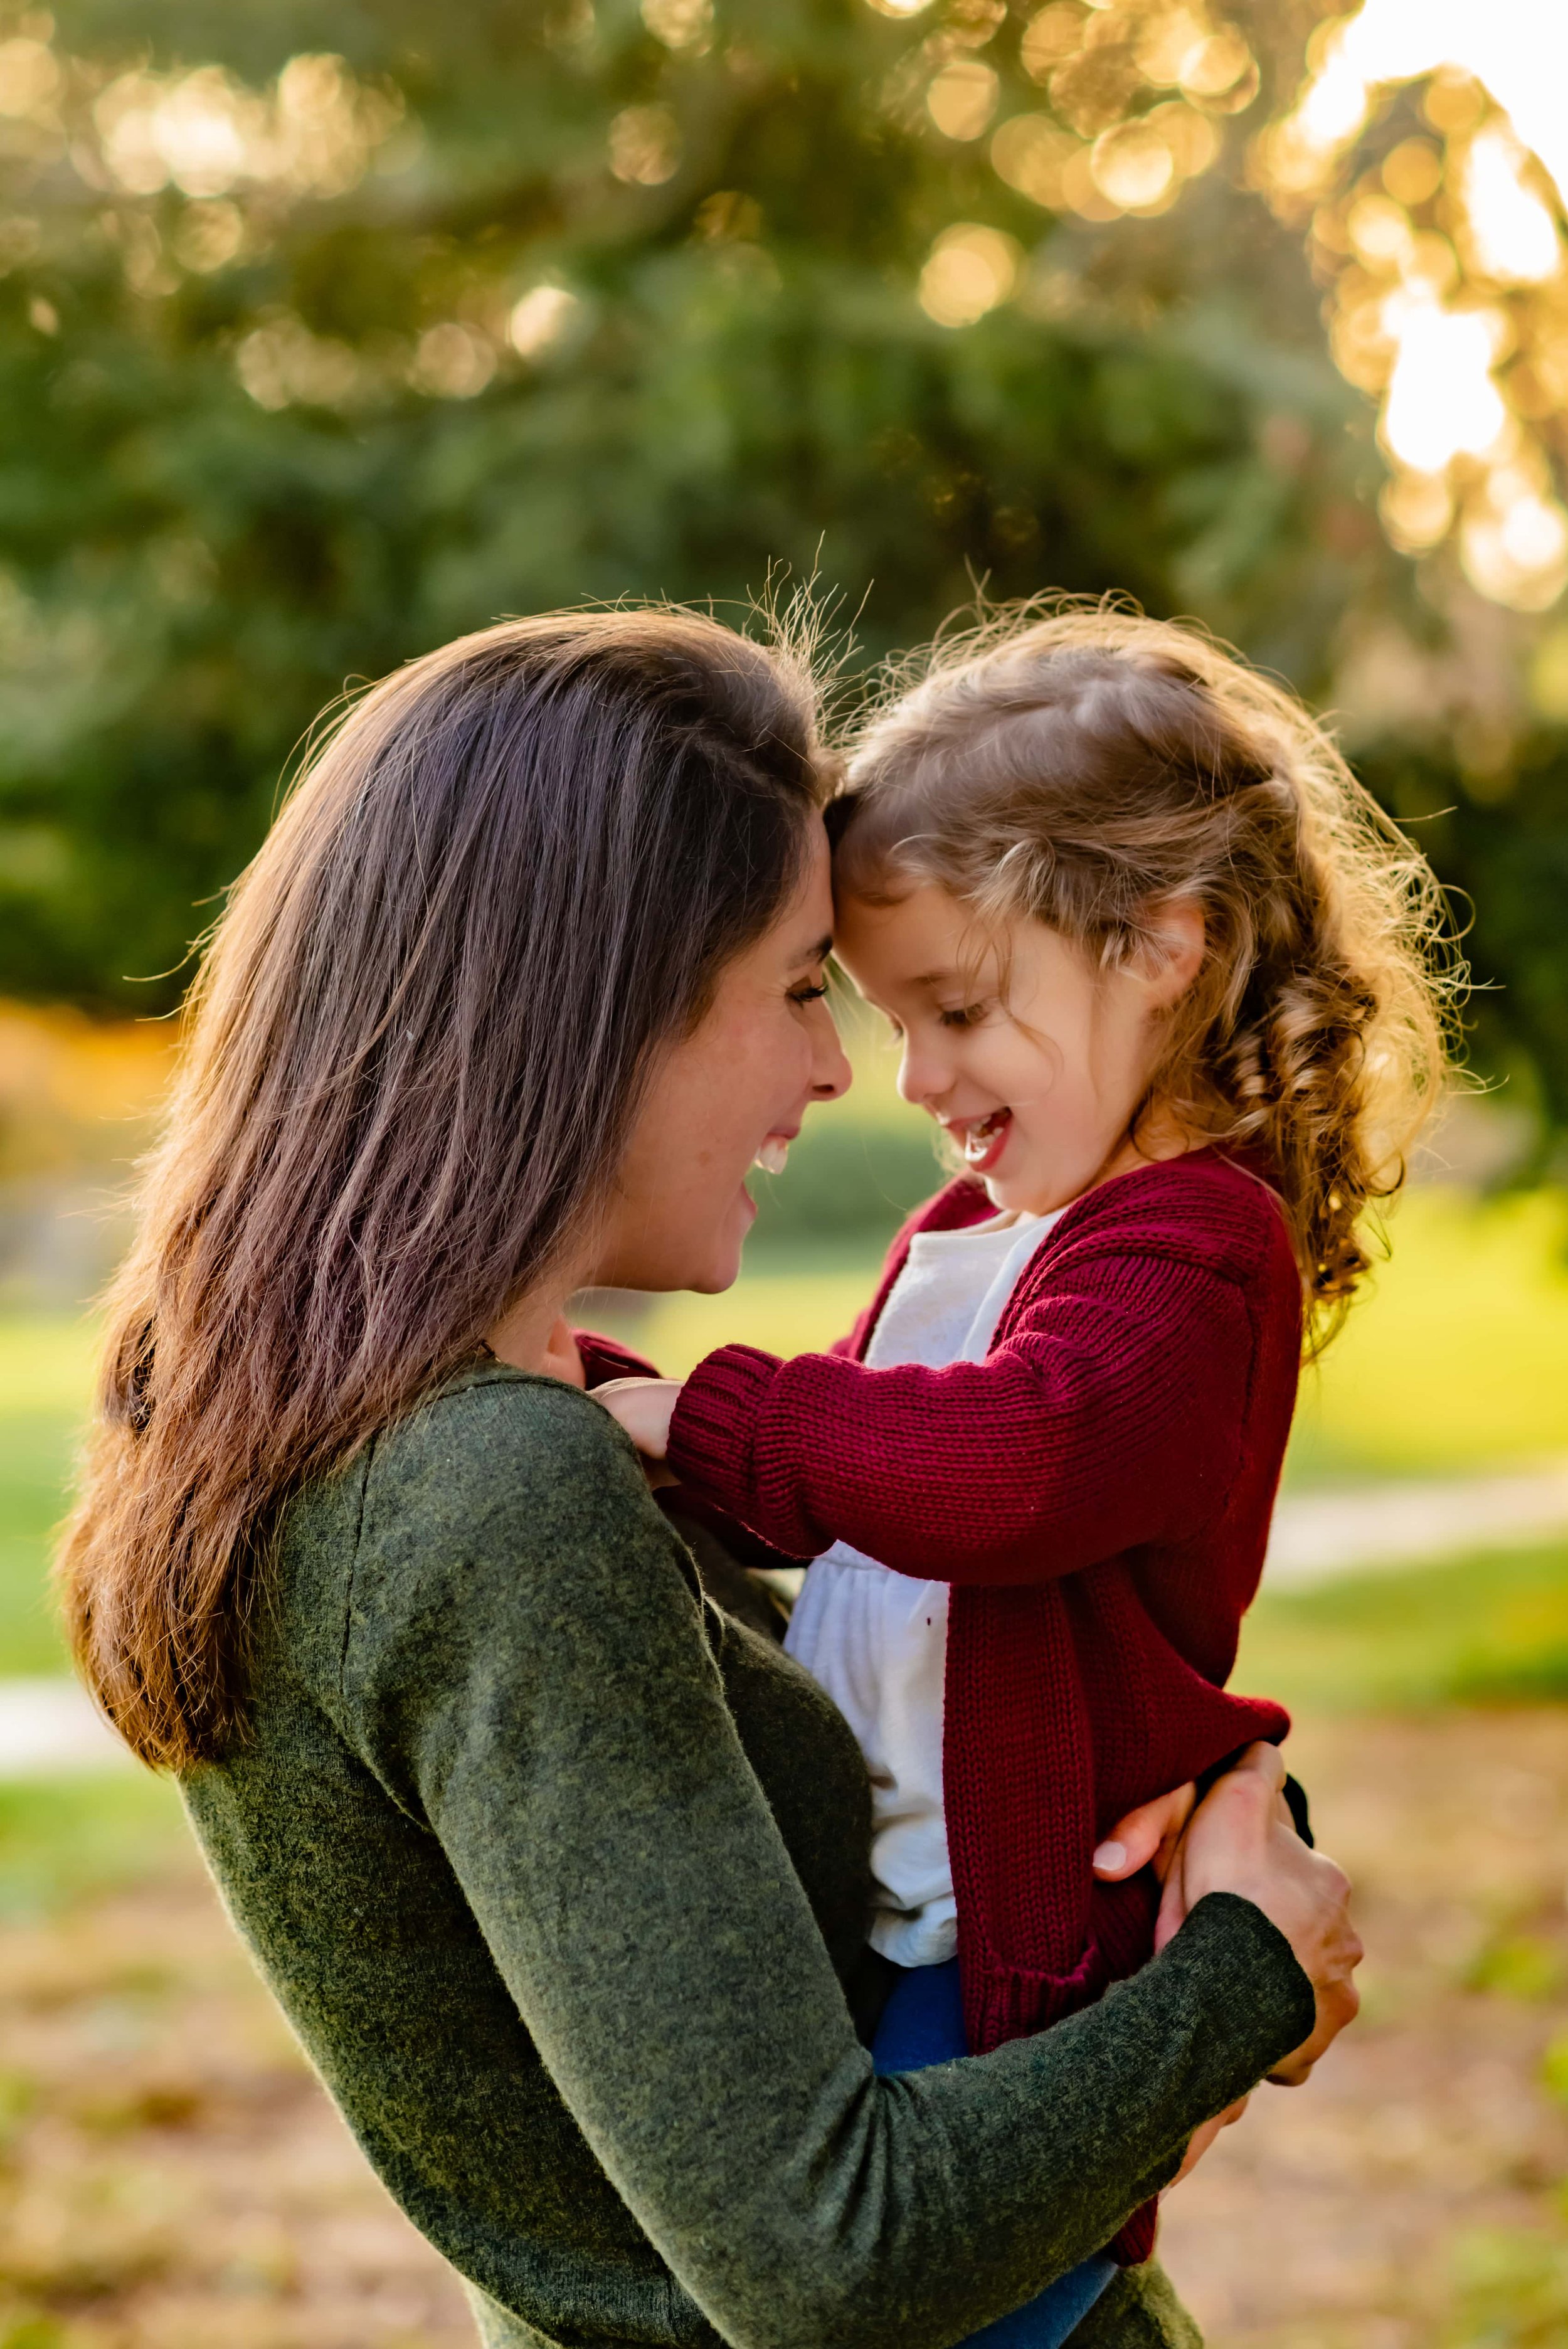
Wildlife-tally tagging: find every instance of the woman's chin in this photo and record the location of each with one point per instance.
(720, 1267)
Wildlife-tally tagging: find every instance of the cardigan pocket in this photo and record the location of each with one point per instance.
(1002, 2000)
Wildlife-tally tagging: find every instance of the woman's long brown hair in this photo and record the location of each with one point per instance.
(505, 879)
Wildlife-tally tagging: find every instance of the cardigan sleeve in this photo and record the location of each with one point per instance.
(1111, 1416)
(606, 1357)
(551, 1708)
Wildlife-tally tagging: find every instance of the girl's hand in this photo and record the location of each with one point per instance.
(643, 1407)
(1150, 1835)
(1240, 1838)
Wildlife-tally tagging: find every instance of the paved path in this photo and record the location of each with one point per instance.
(48, 1727)
(1370, 1528)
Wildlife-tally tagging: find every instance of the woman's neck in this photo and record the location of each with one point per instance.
(521, 1336)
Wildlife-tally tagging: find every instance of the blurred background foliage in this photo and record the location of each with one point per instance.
(326, 333)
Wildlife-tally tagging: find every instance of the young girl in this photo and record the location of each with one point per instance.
(1163, 975)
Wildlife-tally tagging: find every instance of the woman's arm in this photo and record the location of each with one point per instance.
(533, 1677)
(1109, 1418)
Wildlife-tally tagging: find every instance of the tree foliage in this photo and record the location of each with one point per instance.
(328, 333)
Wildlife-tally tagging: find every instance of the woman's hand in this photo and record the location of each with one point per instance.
(1199, 2141)
(1240, 1838)
(643, 1407)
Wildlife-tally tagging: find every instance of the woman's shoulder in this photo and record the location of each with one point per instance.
(497, 1441)
(495, 1517)
(490, 1470)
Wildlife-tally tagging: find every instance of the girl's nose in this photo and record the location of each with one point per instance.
(922, 1079)
(832, 1075)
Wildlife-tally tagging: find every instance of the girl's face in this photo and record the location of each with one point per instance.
(732, 1092)
(1032, 1059)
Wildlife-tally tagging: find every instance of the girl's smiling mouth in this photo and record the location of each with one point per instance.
(982, 1139)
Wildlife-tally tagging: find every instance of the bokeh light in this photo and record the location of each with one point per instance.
(645, 146)
(1445, 266)
(963, 98)
(679, 24)
(1137, 91)
(539, 319)
(1442, 402)
(971, 269)
(205, 134)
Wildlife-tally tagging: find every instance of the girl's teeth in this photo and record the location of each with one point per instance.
(773, 1157)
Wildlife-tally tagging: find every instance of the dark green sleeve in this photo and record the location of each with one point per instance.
(526, 1670)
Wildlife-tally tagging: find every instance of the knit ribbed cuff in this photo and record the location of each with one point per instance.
(713, 1423)
(1246, 1969)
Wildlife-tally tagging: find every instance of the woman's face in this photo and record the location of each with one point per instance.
(736, 1088)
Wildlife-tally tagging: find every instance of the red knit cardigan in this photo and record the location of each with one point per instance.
(1098, 1494)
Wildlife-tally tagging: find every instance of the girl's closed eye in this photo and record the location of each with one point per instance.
(967, 1015)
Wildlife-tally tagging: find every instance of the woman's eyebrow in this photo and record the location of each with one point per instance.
(811, 956)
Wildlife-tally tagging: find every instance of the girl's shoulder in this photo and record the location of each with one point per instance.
(1210, 1207)
(1219, 1201)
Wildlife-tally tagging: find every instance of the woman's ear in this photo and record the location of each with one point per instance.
(1172, 953)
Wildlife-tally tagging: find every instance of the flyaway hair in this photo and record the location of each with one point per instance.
(1085, 767)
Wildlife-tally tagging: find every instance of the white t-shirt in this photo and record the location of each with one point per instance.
(876, 1641)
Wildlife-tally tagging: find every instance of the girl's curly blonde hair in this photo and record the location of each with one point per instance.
(1086, 767)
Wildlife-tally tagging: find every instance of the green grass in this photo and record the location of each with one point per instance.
(1459, 1353)
(1486, 1629)
(69, 1838)
(35, 1470)
(46, 1375)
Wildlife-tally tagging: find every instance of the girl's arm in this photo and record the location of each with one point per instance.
(534, 1680)
(1111, 1417)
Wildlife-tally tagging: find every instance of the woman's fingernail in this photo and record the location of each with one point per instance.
(1111, 1855)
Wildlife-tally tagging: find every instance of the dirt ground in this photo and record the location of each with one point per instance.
(172, 2178)
(1342, 2215)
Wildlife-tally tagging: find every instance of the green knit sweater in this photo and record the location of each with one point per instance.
(558, 1871)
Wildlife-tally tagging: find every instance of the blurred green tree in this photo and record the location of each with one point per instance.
(327, 333)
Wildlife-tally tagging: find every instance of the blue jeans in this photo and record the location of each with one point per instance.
(923, 2023)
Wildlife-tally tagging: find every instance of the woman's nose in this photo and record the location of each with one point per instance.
(832, 1075)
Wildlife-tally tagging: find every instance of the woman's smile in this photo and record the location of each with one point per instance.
(773, 1151)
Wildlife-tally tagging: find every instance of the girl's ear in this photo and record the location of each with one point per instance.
(1172, 953)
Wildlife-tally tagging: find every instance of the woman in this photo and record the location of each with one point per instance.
(558, 1872)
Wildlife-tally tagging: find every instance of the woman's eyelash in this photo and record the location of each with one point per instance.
(809, 994)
